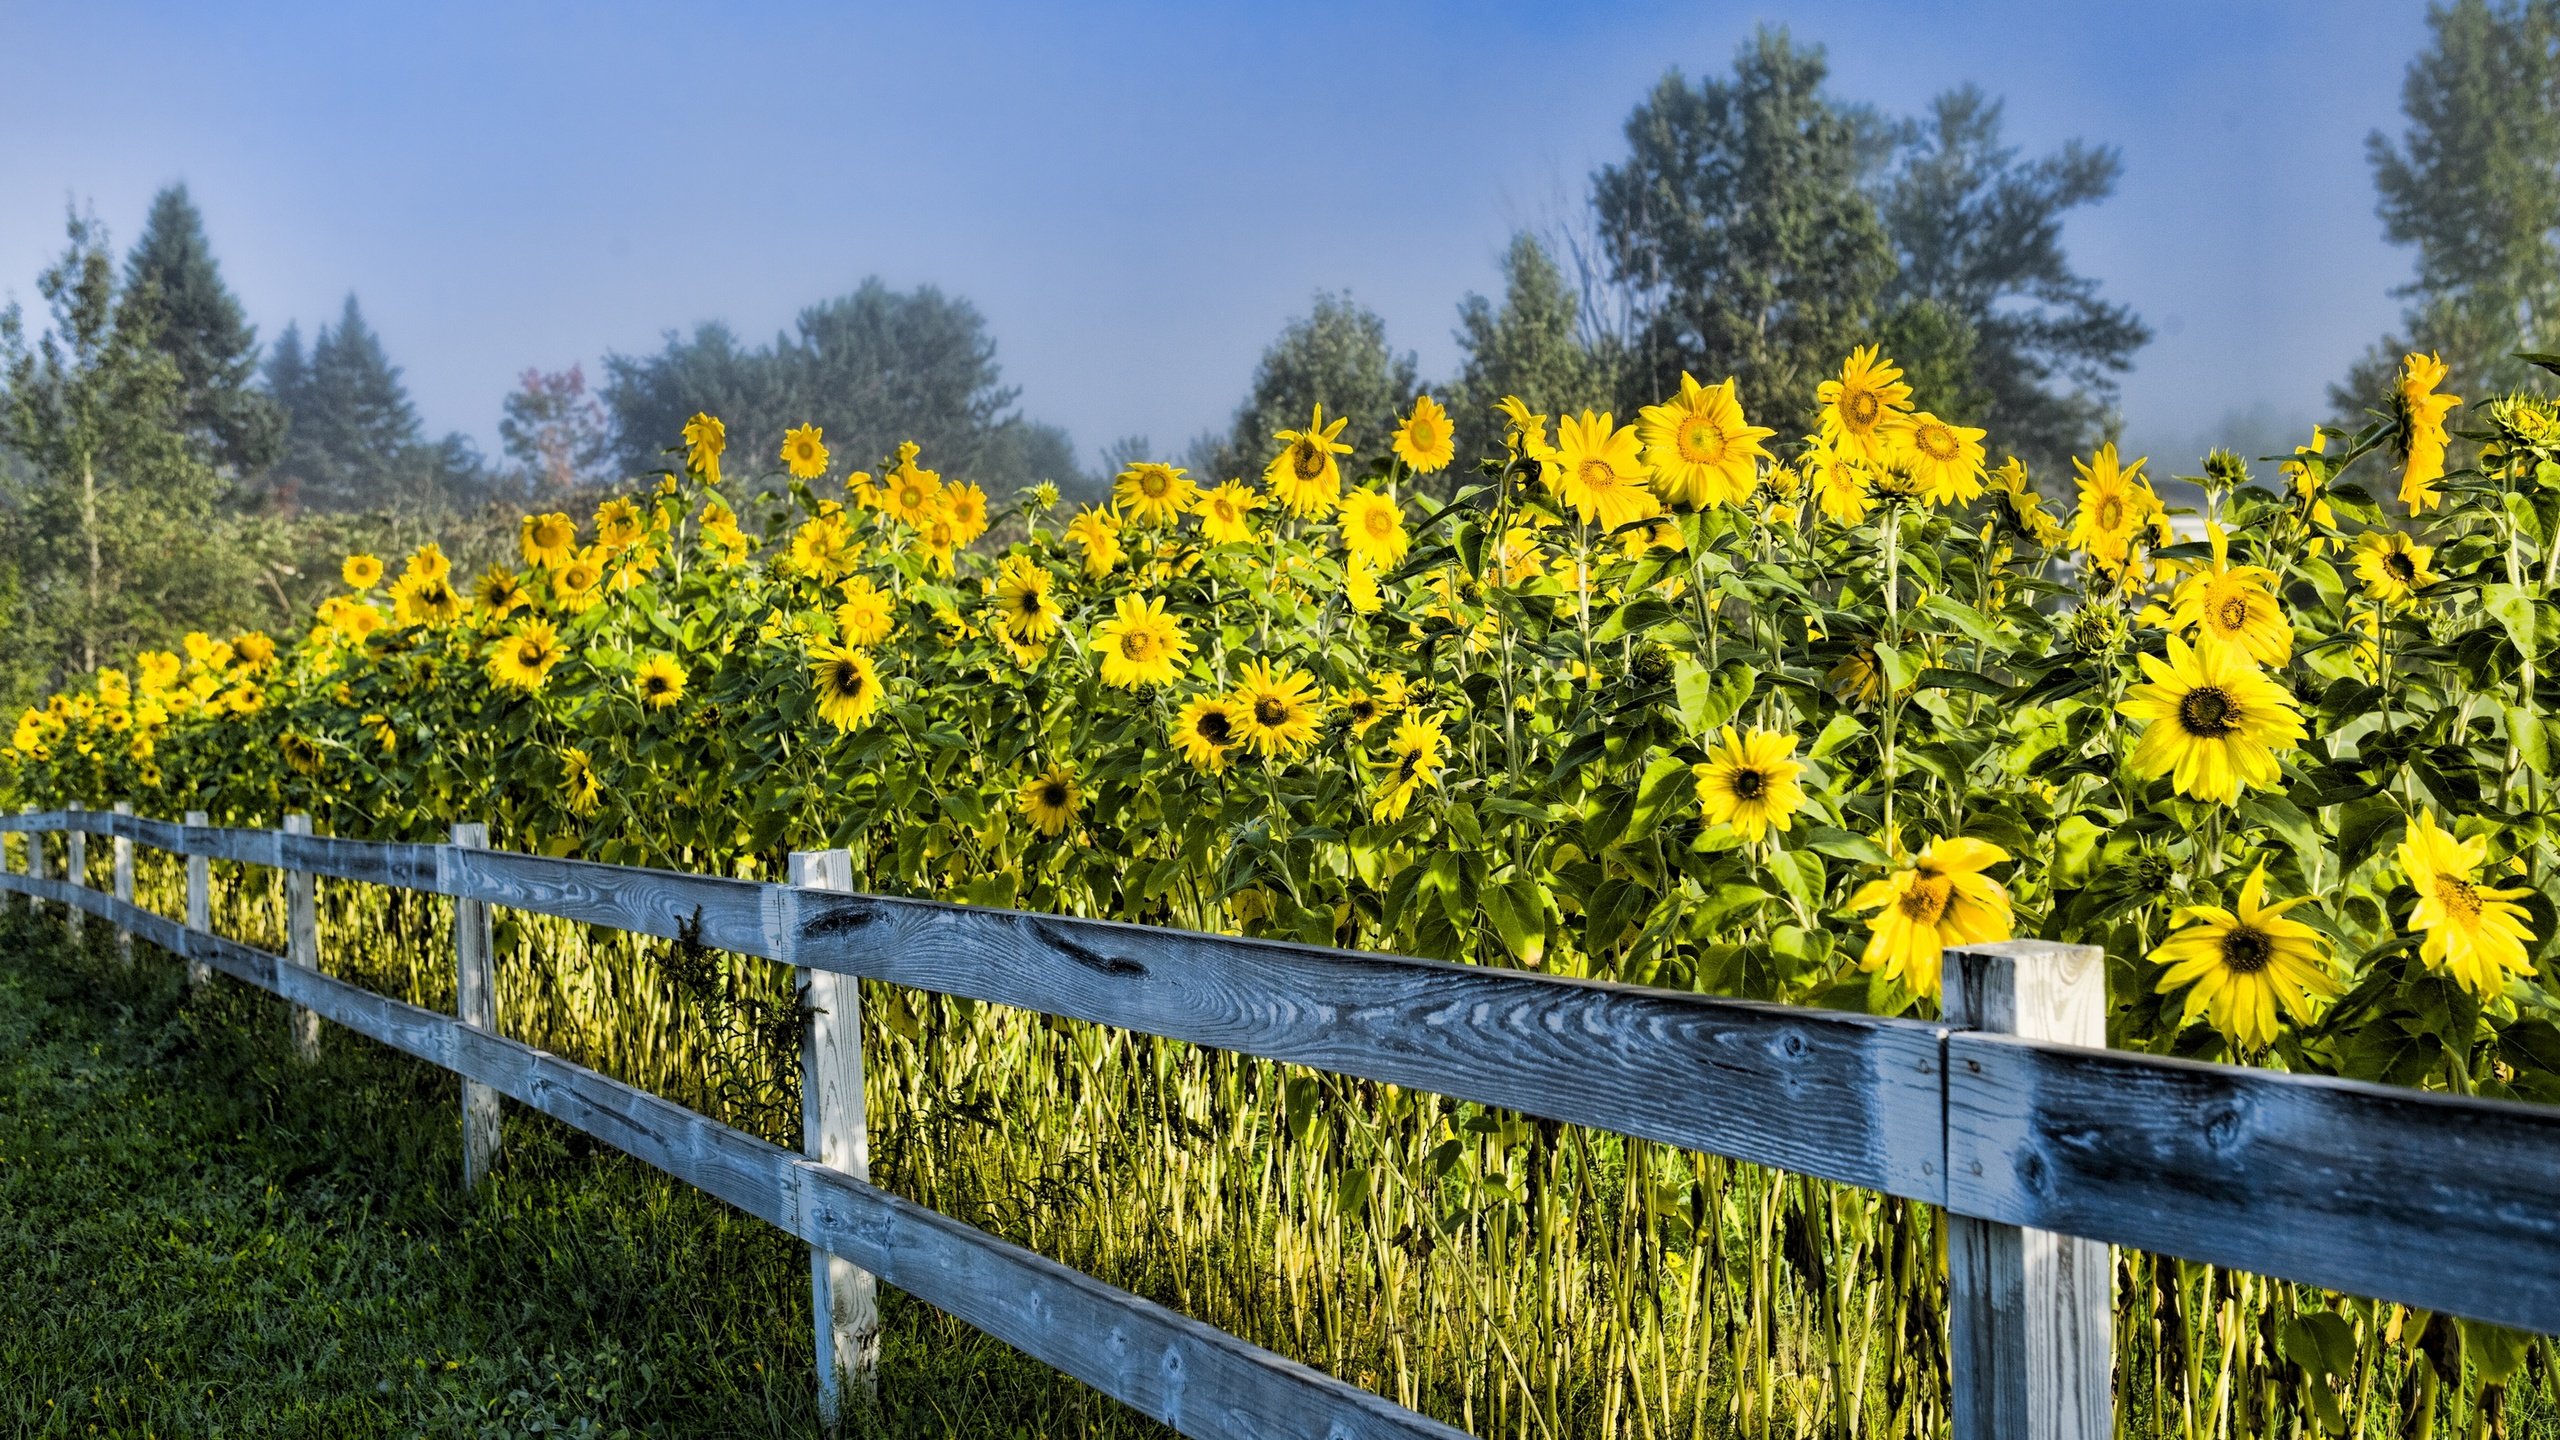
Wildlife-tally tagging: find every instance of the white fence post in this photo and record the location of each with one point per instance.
(75, 845)
(2029, 1312)
(123, 855)
(844, 1299)
(199, 899)
(302, 939)
(475, 1003)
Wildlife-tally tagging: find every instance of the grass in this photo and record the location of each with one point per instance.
(200, 1235)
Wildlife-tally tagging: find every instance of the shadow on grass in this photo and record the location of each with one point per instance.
(200, 1235)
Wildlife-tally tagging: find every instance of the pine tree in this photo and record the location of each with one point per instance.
(1529, 347)
(201, 327)
(354, 441)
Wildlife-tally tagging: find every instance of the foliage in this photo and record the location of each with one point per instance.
(1530, 347)
(353, 440)
(1336, 355)
(204, 331)
(557, 431)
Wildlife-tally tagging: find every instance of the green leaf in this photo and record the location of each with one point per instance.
(1799, 873)
(2532, 738)
(1666, 782)
(1966, 618)
(1842, 729)
(1841, 845)
(2534, 625)
(1901, 671)
(2495, 1351)
(1710, 699)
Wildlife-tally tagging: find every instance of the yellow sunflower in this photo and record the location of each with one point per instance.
(548, 540)
(868, 616)
(1025, 610)
(1700, 448)
(848, 685)
(1416, 754)
(1140, 644)
(361, 572)
(2213, 722)
(1856, 406)
(1750, 783)
(424, 599)
(1941, 898)
(908, 493)
(1153, 494)
(575, 586)
(1360, 587)
(1303, 476)
(499, 591)
(1098, 535)
(1839, 484)
(1223, 513)
(2393, 567)
(2476, 935)
(1205, 732)
(704, 439)
(1424, 440)
(1051, 800)
(2233, 605)
(525, 657)
(1373, 528)
(1600, 470)
(578, 783)
(966, 503)
(804, 453)
(1274, 713)
(254, 650)
(2246, 963)
(1946, 459)
(2116, 506)
(2421, 414)
(618, 525)
(2021, 506)
(659, 682)
(824, 547)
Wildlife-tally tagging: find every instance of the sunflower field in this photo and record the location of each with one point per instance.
(1675, 702)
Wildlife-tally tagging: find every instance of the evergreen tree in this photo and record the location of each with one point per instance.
(1335, 355)
(2473, 185)
(1738, 229)
(1530, 347)
(201, 327)
(353, 441)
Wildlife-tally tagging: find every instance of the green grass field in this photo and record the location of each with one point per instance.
(200, 1236)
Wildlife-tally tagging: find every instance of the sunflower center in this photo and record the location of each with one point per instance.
(1269, 712)
(1861, 408)
(655, 685)
(1926, 900)
(847, 680)
(1379, 524)
(2207, 712)
(2460, 898)
(1424, 433)
(1936, 441)
(1213, 727)
(529, 653)
(1596, 474)
(2233, 613)
(1306, 460)
(1363, 709)
(1054, 795)
(1031, 602)
(1701, 441)
(2247, 950)
(2110, 513)
(2400, 567)
(1153, 484)
(1138, 645)
(1749, 784)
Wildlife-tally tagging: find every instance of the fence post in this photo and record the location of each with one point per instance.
(35, 860)
(475, 1002)
(302, 939)
(122, 850)
(2029, 1312)
(844, 1300)
(75, 846)
(199, 899)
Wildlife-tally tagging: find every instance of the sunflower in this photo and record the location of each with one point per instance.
(848, 685)
(1700, 448)
(158, 669)
(252, 648)
(1373, 528)
(1303, 475)
(1098, 535)
(2393, 567)
(704, 438)
(867, 617)
(1223, 513)
(2245, 963)
(824, 547)
(2019, 507)
(1600, 470)
(909, 494)
(1360, 587)
(618, 525)
(2478, 935)
(2421, 413)
(1941, 898)
(547, 540)
(1749, 782)
(2116, 504)
(574, 585)
(1025, 610)
(2214, 722)
(300, 752)
(1139, 644)
(804, 452)
(427, 562)
(1416, 754)
(1205, 732)
(1946, 459)
(424, 599)
(524, 659)
(1359, 708)
(659, 682)
(577, 780)
(1051, 800)
(361, 572)
(1839, 484)
(1855, 406)
(1524, 433)
(2235, 606)
(966, 504)
(1424, 440)
(1274, 713)
(1151, 493)
(499, 591)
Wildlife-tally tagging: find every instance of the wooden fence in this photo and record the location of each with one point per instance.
(2043, 1148)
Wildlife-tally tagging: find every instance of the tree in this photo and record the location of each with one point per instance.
(1737, 227)
(1529, 347)
(870, 369)
(557, 430)
(1335, 355)
(203, 330)
(113, 540)
(2473, 185)
(353, 440)
(2026, 346)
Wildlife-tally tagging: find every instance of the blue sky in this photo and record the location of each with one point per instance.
(1137, 196)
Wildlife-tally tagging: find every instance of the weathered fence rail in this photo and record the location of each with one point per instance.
(2437, 1201)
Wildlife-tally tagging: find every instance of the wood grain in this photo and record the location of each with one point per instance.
(844, 1304)
(475, 1003)
(75, 868)
(302, 940)
(120, 873)
(199, 894)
